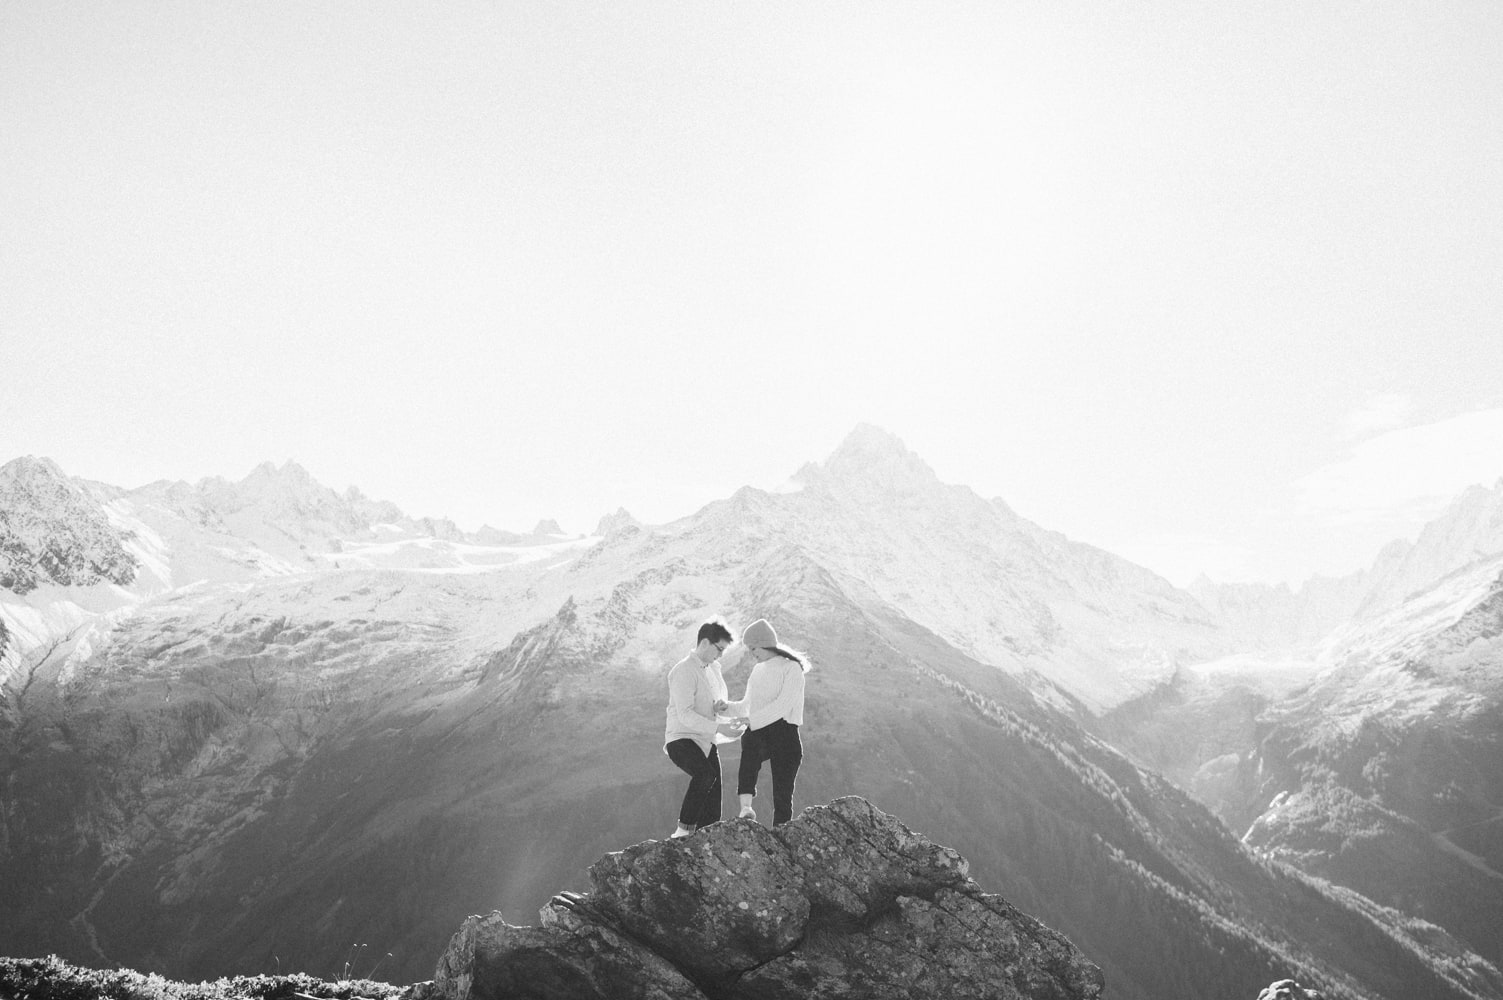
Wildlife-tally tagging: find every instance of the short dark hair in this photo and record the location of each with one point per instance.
(715, 631)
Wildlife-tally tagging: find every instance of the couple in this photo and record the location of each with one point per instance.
(766, 719)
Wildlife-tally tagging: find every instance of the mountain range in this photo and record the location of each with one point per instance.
(251, 724)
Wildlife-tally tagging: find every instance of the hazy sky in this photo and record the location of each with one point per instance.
(1209, 285)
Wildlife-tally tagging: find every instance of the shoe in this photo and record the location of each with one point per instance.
(747, 812)
(676, 834)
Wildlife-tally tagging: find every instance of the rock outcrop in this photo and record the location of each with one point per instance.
(845, 901)
(1288, 989)
(53, 532)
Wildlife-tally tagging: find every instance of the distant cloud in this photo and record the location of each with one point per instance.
(1381, 413)
(1409, 473)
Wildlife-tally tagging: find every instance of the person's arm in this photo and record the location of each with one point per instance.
(741, 709)
(718, 691)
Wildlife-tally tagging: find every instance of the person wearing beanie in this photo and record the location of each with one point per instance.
(696, 694)
(773, 709)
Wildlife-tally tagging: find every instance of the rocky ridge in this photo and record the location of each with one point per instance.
(843, 901)
(51, 532)
(77, 557)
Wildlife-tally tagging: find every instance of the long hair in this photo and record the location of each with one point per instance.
(802, 659)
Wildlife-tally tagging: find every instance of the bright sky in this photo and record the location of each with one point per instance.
(1214, 286)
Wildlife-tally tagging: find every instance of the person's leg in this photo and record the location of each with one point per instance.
(690, 759)
(787, 753)
(749, 770)
(709, 803)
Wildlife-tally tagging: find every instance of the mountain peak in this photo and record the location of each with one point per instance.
(1470, 528)
(290, 472)
(869, 439)
(290, 481)
(54, 532)
(870, 453)
(30, 468)
(618, 521)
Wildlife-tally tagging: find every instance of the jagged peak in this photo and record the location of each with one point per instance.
(29, 468)
(290, 471)
(56, 531)
(621, 519)
(869, 433)
(869, 440)
(165, 486)
(288, 482)
(871, 453)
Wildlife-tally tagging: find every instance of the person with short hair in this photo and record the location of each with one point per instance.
(773, 709)
(696, 693)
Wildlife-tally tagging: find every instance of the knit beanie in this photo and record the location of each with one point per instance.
(759, 634)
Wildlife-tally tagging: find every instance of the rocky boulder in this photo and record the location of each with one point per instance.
(844, 901)
(1288, 989)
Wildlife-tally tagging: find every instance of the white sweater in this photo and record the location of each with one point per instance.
(775, 690)
(693, 689)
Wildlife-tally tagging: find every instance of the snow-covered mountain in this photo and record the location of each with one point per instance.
(281, 520)
(75, 555)
(1384, 770)
(1275, 617)
(998, 586)
(301, 696)
(267, 770)
(65, 561)
(995, 585)
(1469, 530)
(1092, 627)
(52, 531)
(1386, 773)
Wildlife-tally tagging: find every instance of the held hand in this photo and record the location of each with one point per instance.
(720, 706)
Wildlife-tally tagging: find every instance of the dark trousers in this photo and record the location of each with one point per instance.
(702, 801)
(777, 742)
